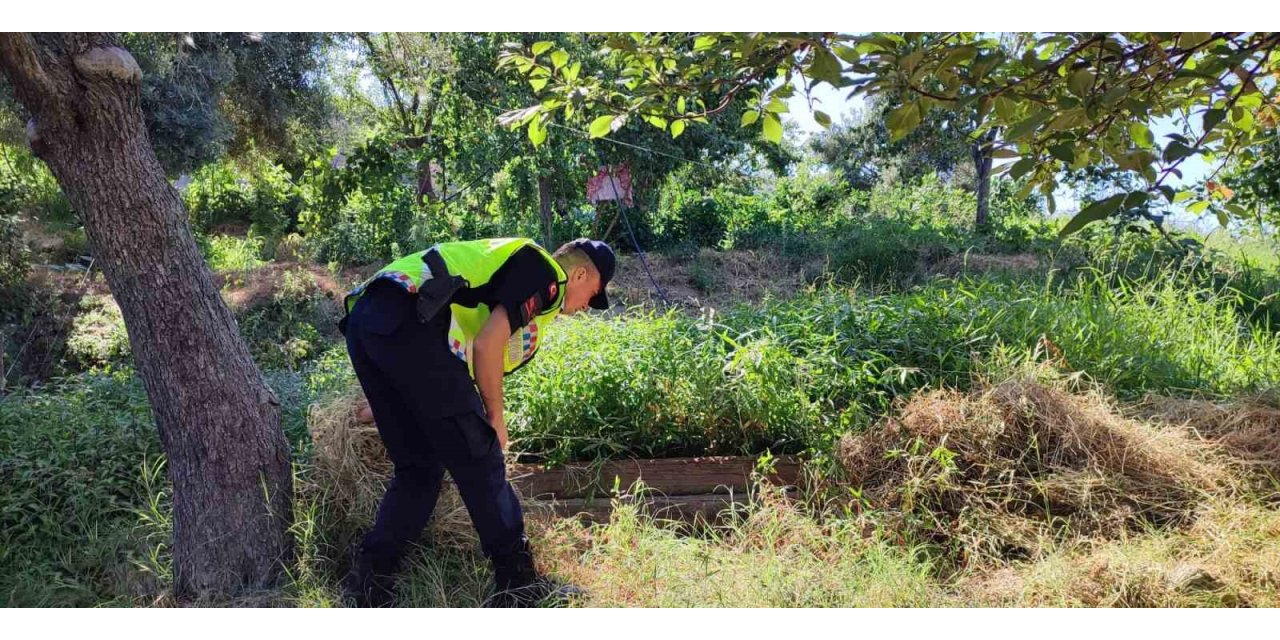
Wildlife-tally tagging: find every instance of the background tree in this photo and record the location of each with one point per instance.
(218, 420)
(1061, 100)
(208, 94)
(864, 151)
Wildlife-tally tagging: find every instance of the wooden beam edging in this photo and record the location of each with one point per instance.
(712, 475)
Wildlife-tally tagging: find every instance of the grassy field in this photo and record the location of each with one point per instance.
(1077, 426)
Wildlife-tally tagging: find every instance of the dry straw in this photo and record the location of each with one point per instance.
(1003, 472)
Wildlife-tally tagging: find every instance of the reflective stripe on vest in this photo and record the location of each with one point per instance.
(477, 261)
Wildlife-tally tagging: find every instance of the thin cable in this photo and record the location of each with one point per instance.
(622, 207)
(586, 134)
(642, 148)
(505, 152)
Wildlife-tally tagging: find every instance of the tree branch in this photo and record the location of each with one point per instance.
(21, 63)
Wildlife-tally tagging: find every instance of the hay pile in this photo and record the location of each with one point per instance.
(1248, 429)
(1004, 472)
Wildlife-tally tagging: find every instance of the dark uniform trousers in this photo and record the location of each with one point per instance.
(404, 367)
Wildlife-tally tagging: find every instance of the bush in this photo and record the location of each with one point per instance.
(98, 337)
(252, 192)
(289, 328)
(227, 254)
(793, 375)
(71, 459)
(28, 187)
(359, 212)
(15, 257)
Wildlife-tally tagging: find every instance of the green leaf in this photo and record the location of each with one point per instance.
(680, 104)
(777, 106)
(749, 118)
(559, 58)
(903, 119)
(958, 55)
(1212, 117)
(822, 119)
(772, 128)
(1080, 82)
(1141, 135)
(1065, 152)
(1198, 207)
(1092, 213)
(909, 61)
(702, 43)
(677, 128)
(1006, 109)
(1222, 217)
(1022, 167)
(541, 47)
(1028, 125)
(538, 83)
(601, 126)
(825, 67)
(657, 121)
(571, 73)
(537, 132)
(1183, 196)
(1176, 151)
(1191, 39)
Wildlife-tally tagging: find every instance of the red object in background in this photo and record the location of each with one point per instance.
(611, 182)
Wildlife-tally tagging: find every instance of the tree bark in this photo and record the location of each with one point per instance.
(218, 420)
(981, 151)
(544, 208)
(426, 190)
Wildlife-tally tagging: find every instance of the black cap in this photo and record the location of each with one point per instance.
(601, 256)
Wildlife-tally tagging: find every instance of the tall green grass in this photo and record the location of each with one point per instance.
(795, 374)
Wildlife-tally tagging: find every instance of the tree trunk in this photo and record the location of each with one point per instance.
(426, 190)
(544, 208)
(219, 422)
(982, 164)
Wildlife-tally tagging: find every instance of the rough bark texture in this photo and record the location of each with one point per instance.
(982, 163)
(219, 422)
(544, 208)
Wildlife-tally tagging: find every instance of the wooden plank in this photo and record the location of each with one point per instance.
(669, 476)
(688, 508)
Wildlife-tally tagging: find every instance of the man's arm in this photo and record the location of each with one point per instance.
(488, 350)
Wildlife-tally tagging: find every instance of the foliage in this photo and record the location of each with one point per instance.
(359, 210)
(291, 327)
(205, 94)
(1061, 100)
(14, 256)
(97, 337)
(1254, 178)
(27, 187)
(232, 254)
(253, 192)
(865, 152)
(71, 460)
(649, 386)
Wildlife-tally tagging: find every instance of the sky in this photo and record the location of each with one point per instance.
(835, 104)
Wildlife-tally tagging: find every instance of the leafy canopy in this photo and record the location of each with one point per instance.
(1061, 101)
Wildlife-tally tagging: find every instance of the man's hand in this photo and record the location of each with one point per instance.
(488, 351)
(500, 426)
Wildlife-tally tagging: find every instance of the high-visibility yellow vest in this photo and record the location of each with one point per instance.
(476, 261)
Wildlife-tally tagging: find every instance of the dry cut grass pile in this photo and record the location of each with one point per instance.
(1012, 470)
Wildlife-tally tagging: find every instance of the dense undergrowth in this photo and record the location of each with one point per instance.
(888, 317)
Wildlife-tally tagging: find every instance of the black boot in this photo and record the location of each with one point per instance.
(519, 585)
(366, 586)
